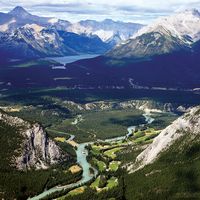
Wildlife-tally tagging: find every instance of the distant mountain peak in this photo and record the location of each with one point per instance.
(18, 9)
(19, 12)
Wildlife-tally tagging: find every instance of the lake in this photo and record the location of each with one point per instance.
(69, 59)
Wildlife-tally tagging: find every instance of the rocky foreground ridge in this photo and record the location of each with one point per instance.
(188, 124)
(37, 150)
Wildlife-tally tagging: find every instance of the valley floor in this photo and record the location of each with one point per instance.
(95, 121)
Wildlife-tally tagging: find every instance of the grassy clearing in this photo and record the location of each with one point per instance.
(74, 192)
(103, 146)
(100, 164)
(98, 147)
(112, 152)
(109, 184)
(77, 191)
(114, 166)
(145, 136)
(95, 184)
(60, 139)
(112, 182)
(95, 152)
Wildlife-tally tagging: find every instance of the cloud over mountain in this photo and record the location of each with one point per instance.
(143, 11)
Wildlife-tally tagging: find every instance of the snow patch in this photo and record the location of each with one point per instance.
(35, 27)
(5, 27)
(53, 20)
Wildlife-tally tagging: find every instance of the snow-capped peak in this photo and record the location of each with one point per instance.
(106, 29)
(181, 24)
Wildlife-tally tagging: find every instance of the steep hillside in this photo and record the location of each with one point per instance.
(84, 44)
(33, 41)
(189, 123)
(169, 167)
(29, 160)
(149, 44)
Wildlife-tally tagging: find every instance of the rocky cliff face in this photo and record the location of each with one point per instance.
(147, 106)
(37, 150)
(144, 105)
(187, 124)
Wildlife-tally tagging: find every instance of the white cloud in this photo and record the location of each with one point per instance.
(129, 10)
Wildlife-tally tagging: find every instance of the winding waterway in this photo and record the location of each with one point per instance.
(81, 154)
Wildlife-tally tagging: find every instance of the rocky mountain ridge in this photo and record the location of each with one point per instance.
(37, 150)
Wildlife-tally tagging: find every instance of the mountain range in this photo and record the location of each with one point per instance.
(164, 55)
(166, 35)
(23, 35)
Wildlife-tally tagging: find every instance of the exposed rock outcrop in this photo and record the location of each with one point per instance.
(187, 124)
(37, 150)
(144, 105)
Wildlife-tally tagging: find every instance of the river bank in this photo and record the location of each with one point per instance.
(82, 153)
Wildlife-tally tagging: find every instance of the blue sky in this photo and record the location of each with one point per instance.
(142, 11)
